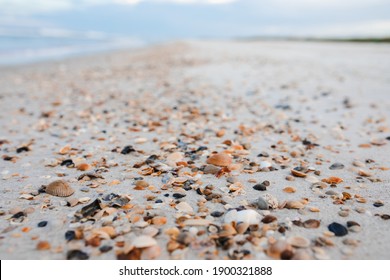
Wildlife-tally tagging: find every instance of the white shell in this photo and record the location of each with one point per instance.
(144, 241)
(245, 216)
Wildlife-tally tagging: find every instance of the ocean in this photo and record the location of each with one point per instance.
(51, 45)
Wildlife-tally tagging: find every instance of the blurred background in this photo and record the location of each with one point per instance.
(33, 30)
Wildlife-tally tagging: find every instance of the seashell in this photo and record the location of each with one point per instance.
(141, 184)
(292, 204)
(297, 173)
(264, 164)
(271, 201)
(332, 180)
(227, 230)
(213, 229)
(144, 241)
(311, 223)
(159, 221)
(184, 207)
(140, 140)
(312, 179)
(197, 222)
(211, 169)
(43, 245)
(275, 250)
(299, 242)
(83, 167)
(302, 255)
(245, 216)
(358, 163)
(261, 203)
(364, 173)
(268, 219)
(151, 253)
(220, 159)
(289, 189)
(64, 150)
(72, 202)
(173, 158)
(150, 231)
(241, 228)
(59, 188)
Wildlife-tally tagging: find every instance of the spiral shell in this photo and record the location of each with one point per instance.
(59, 188)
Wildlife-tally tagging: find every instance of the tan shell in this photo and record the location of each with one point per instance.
(299, 242)
(289, 189)
(294, 205)
(297, 173)
(311, 223)
(332, 180)
(220, 159)
(59, 188)
(275, 250)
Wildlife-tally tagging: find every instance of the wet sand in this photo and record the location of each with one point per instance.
(301, 132)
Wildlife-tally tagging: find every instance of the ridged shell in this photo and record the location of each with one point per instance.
(219, 159)
(59, 188)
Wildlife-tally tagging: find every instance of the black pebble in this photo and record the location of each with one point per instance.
(158, 201)
(127, 150)
(178, 195)
(385, 217)
(166, 195)
(260, 187)
(18, 215)
(70, 235)
(42, 224)
(76, 255)
(336, 166)
(67, 163)
(105, 248)
(378, 204)
(22, 149)
(216, 214)
(338, 229)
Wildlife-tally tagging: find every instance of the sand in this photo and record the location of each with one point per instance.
(287, 104)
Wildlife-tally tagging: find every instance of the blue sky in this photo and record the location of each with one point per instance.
(174, 19)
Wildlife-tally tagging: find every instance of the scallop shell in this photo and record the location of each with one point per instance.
(59, 188)
(220, 159)
(299, 242)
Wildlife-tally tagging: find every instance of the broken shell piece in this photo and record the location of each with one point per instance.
(184, 207)
(271, 201)
(220, 159)
(59, 188)
(297, 173)
(144, 241)
(332, 180)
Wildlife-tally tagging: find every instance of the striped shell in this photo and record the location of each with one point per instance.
(59, 188)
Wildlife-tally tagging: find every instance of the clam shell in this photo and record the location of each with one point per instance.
(299, 241)
(59, 188)
(297, 173)
(220, 159)
(294, 205)
(311, 223)
(144, 241)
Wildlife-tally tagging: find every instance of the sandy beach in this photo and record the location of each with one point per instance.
(198, 150)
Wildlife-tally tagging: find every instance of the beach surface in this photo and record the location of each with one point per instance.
(199, 150)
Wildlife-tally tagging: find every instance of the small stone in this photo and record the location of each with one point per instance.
(178, 195)
(378, 203)
(245, 216)
(42, 224)
(127, 150)
(338, 229)
(260, 187)
(294, 205)
(336, 166)
(299, 242)
(311, 223)
(43, 245)
(261, 203)
(343, 213)
(289, 189)
(105, 248)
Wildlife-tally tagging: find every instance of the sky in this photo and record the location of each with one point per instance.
(181, 19)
